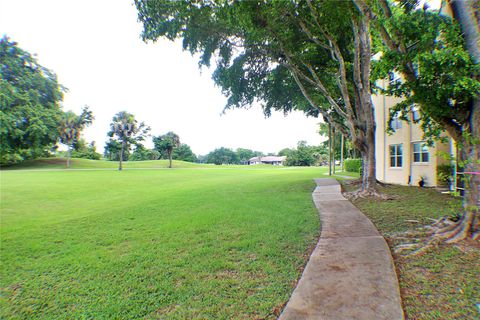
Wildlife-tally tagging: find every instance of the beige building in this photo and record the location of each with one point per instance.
(403, 156)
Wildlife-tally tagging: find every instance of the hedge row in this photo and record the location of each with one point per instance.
(353, 165)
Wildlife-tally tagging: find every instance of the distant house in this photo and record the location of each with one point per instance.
(273, 160)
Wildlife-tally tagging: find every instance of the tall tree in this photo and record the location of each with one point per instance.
(167, 143)
(302, 156)
(285, 152)
(222, 156)
(439, 62)
(71, 127)
(82, 149)
(311, 56)
(112, 151)
(184, 152)
(30, 110)
(127, 130)
(141, 154)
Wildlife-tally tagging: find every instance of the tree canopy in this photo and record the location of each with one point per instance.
(184, 152)
(166, 144)
(222, 156)
(310, 56)
(30, 105)
(303, 155)
(82, 149)
(439, 73)
(141, 154)
(112, 150)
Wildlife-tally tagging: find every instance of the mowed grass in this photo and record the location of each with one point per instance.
(75, 163)
(226, 243)
(443, 282)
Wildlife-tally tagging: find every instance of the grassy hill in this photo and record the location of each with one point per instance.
(60, 163)
(75, 163)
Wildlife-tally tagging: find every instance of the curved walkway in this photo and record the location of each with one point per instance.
(350, 274)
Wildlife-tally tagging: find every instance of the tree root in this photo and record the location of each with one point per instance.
(355, 182)
(383, 184)
(453, 233)
(440, 231)
(402, 247)
(363, 194)
(458, 231)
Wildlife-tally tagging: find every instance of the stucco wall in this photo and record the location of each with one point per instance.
(406, 136)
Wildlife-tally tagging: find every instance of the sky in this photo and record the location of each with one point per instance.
(96, 51)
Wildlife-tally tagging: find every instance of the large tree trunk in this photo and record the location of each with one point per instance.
(329, 149)
(472, 195)
(469, 225)
(121, 156)
(341, 152)
(170, 159)
(370, 174)
(362, 69)
(464, 12)
(333, 150)
(369, 180)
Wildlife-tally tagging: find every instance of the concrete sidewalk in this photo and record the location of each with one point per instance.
(350, 274)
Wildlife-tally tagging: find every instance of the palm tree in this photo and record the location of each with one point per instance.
(127, 130)
(71, 128)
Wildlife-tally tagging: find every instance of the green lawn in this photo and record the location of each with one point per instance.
(61, 163)
(225, 243)
(442, 283)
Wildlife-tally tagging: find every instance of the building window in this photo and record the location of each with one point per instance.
(415, 114)
(396, 122)
(393, 78)
(396, 153)
(420, 152)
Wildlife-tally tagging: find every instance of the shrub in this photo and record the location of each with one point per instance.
(444, 173)
(353, 165)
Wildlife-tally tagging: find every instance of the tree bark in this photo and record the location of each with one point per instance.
(341, 152)
(370, 174)
(469, 224)
(333, 150)
(170, 159)
(369, 181)
(464, 13)
(329, 149)
(121, 156)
